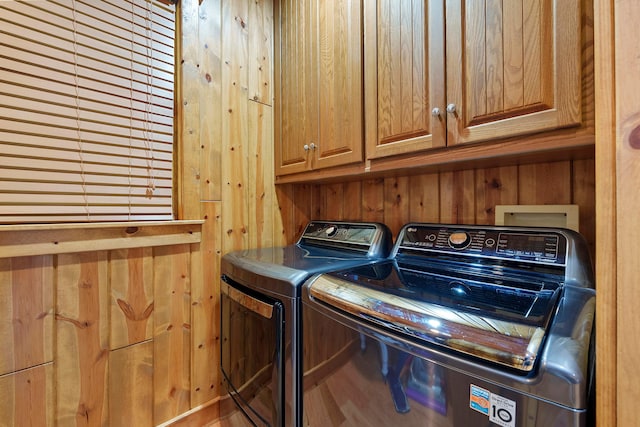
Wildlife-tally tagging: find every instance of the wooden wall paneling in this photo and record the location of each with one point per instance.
(372, 200)
(495, 186)
(607, 327)
(26, 312)
(457, 197)
(305, 199)
(172, 335)
(235, 141)
(424, 198)
(131, 279)
(261, 175)
(82, 339)
(261, 26)
(28, 397)
(131, 386)
(332, 202)
(285, 195)
(352, 194)
(396, 203)
(188, 115)
(205, 309)
(544, 184)
(627, 206)
(209, 43)
(583, 185)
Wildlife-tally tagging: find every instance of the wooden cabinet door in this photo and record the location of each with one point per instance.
(404, 76)
(319, 92)
(513, 67)
(296, 124)
(339, 83)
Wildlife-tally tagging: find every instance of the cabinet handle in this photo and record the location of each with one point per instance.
(435, 112)
(451, 108)
(312, 146)
(306, 147)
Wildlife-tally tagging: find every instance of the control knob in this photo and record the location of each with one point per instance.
(331, 230)
(459, 240)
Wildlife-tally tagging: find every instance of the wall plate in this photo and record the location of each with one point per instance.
(565, 216)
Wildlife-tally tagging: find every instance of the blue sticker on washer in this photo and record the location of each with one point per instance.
(479, 399)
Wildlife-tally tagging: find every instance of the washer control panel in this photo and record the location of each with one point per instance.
(373, 238)
(545, 246)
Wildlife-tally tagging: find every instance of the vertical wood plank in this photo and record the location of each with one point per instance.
(235, 140)
(26, 312)
(261, 51)
(131, 386)
(209, 92)
(373, 200)
(131, 272)
(28, 397)
(513, 55)
(332, 201)
(497, 70)
(545, 184)
(205, 308)
(457, 197)
(396, 203)
(352, 193)
(172, 333)
(583, 185)
(406, 66)
(302, 209)
(424, 198)
(261, 173)
(188, 116)
(531, 13)
(475, 60)
(495, 186)
(608, 331)
(627, 205)
(286, 206)
(82, 339)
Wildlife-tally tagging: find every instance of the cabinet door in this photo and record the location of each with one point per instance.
(404, 76)
(296, 97)
(339, 82)
(513, 67)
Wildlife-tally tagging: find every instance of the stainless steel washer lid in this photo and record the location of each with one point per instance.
(323, 246)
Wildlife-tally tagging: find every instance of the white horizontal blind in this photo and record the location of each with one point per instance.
(86, 110)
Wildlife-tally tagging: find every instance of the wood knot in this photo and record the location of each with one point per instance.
(495, 183)
(634, 138)
(131, 230)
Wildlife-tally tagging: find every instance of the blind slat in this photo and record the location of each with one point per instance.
(38, 142)
(22, 175)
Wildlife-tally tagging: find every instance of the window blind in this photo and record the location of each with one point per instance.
(86, 110)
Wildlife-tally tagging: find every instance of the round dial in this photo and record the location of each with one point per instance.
(331, 230)
(459, 240)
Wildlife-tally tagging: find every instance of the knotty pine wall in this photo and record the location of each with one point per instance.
(460, 197)
(124, 336)
(98, 324)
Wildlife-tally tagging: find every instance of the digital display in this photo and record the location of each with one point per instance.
(527, 244)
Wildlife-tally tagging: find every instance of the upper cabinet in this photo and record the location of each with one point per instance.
(513, 67)
(403, 77)
(446, 73)
(319, 112)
